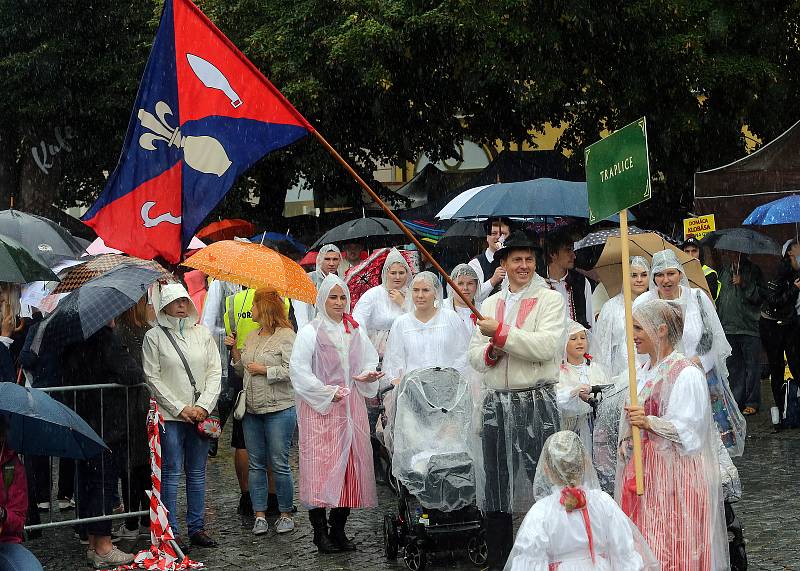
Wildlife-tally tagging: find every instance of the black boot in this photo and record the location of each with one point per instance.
(338, 520)
(320, 524)
(499, 538)
(245, 507)
(213, 447)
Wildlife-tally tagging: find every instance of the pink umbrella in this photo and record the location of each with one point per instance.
(99, 247)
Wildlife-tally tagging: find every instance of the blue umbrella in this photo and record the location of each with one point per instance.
(42, 426)
(277, 237)
(785, 210)
(528, 199)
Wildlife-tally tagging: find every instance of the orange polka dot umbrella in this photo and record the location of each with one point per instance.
(254, 266)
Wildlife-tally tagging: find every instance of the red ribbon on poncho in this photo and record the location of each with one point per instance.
(348, 321)
(575, 499)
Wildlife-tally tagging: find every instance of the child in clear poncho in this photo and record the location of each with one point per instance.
(574, 526)
(680, 514)
(576, 376)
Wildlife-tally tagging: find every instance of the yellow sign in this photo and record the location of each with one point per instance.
(698, 227)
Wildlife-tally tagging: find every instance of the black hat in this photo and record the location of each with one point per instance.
(517, 241)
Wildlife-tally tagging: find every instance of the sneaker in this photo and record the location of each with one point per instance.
(123, 532)
(285, 524)
(112, 559)
(43, 506)
(261, 526)
(65, 504)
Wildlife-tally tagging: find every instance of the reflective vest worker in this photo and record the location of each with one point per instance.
(712, 279)
(239, 317)
(692, 247)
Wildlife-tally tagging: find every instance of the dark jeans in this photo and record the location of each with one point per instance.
(97, 491)
(744, 370)
(779, 338)
(41, 482)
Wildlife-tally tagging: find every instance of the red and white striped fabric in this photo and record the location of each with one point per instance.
(161, 556)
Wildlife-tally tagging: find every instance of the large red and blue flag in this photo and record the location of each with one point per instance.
(203, 115)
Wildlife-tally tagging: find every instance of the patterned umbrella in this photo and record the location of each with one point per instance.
(84, 311)
(367, 274)
(254, 266)
(76, 276)
(601, 236)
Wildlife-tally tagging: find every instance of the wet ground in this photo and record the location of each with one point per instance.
(769, 510)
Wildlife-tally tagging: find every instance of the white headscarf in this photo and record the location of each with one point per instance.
(458, 271)
(666, 260)
(324, 290)
(431, 279)
(574, 327)
(640, 262)
(318, 274)
(395, 257)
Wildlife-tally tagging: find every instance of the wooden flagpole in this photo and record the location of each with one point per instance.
(397, 221)
(633, 386)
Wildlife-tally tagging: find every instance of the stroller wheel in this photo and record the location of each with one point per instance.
(415, 558)
(477, 550)
(390, 536)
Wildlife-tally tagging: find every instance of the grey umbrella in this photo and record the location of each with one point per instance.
(743, 240)
(40, 235)
(373, 232)
(19, 266)
(84, 311)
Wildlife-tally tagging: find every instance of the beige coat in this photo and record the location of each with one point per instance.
(530, 348)
(271, 392)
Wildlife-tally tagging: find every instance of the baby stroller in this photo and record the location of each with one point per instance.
(433, 465)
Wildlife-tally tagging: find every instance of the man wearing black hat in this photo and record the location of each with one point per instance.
(490, 274)
(516, 349)
(692, 247)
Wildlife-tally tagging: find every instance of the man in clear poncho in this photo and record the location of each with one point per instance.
(516, 349)
(574, 526)
(328, 259)
(703, 341)
(332, 369)
(681, 513)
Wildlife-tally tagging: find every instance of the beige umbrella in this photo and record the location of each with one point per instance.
(609, 266)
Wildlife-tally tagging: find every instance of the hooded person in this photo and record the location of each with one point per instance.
(377, 309)
(681, 513)
(703, 341)
(181, 363)
(332, 369)
(609, 342)
(328, 259)
(467, 280)
(577, 375)
(575, 526)
(516, 349)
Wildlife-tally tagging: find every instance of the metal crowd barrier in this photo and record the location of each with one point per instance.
(54, 510)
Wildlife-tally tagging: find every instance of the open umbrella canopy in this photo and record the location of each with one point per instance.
(37, 234)
(42, 426)
(18, 266)
(227, 230)
(84, 311)
(527, 199)
(254, 266)
(743, 240)
(76, 276)
(278, 238)
(785, 210)
(601, 236)
(609, 266)
(372, 232)
(99, 247)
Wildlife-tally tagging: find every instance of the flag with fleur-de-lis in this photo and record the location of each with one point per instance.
(203, 115)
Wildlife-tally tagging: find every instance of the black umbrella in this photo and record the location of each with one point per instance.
(45, 238)
(743, 240)
(84, 311)
(602, 236)
(372, 232)
(18, 266)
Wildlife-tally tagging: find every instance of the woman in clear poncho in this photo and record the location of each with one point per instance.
(377, 309)
(427, 336)
(681, 513)
(332, 369)
(608, 333)
(574, 526)
(328, 259)
(576, 376)
(466, 278)
(703, 341)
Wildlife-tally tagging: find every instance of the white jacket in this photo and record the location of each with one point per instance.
(163, 367)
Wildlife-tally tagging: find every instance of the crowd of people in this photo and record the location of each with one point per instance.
(536, 360)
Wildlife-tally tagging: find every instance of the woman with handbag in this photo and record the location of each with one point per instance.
(182, 365)
(266, 406)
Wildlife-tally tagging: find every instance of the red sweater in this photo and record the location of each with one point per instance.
(13, 498)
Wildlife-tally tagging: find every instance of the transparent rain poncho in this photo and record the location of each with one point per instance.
(335, 459)
(605, 436)
(465, 313)
(574, 526)
(318, 275)
(433, 281)
(375, 310)
(608, 333)
(704, 338)
(304, 312)
(432, 455)
(681, 512)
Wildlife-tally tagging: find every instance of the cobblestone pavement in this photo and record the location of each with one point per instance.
(769, 512)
